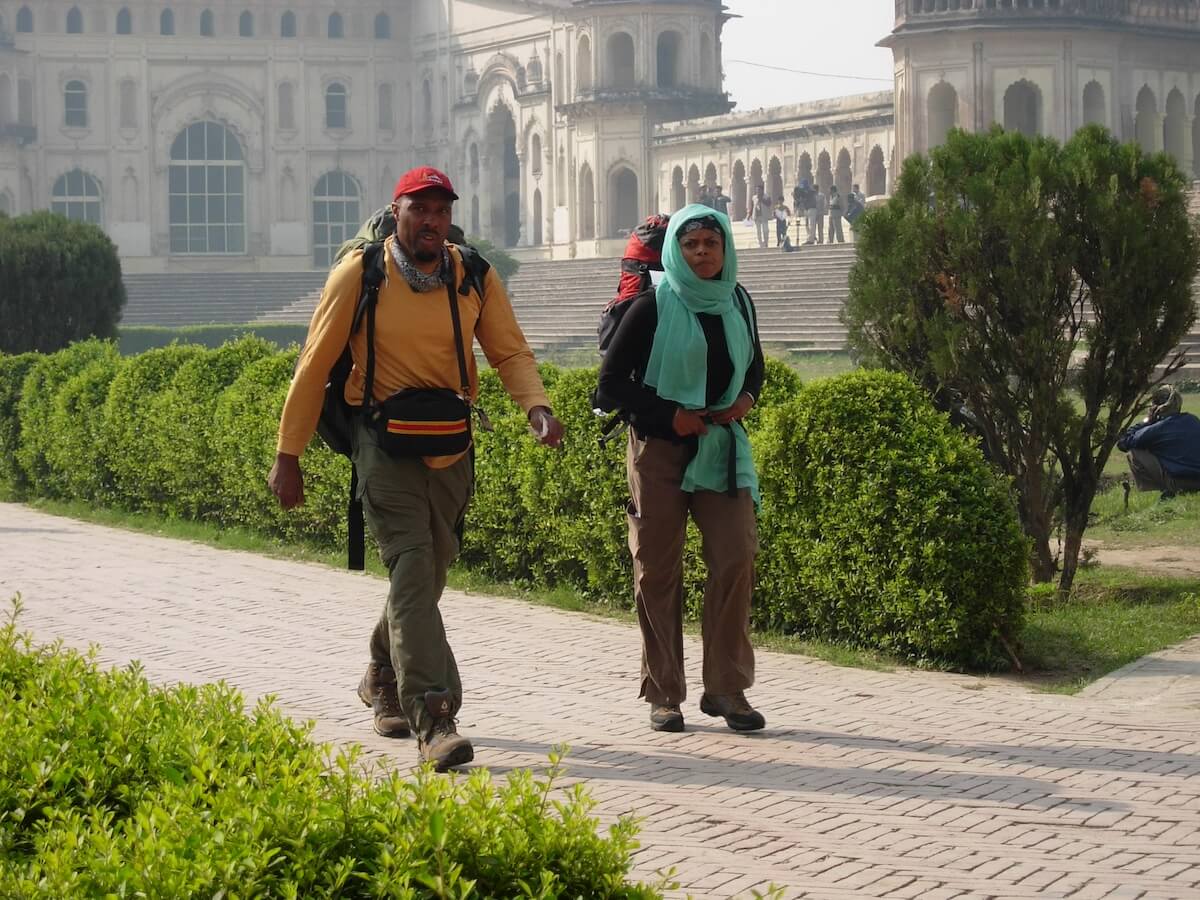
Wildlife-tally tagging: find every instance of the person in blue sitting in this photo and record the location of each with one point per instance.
(1164, 449)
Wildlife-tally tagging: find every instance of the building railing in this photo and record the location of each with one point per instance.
(1173, 14)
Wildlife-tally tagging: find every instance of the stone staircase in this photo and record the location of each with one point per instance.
(226, 298)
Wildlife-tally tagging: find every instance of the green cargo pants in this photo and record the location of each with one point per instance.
(415, 514)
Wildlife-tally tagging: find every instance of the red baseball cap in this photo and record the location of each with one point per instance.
(423, 178)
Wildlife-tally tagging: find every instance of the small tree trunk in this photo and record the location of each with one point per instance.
(1072, 543)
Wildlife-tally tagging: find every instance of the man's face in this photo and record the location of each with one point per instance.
(423, 223)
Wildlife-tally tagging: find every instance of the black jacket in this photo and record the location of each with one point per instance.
(621, 386)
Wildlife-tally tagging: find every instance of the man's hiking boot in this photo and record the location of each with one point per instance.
(378, 691)
(441, 744)
(666, 717)
(735, 709)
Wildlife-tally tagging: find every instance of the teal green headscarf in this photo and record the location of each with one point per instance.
(678, 366)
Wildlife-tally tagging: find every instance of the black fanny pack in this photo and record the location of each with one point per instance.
(423, 422)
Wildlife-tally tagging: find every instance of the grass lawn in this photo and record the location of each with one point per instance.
(1149, 521)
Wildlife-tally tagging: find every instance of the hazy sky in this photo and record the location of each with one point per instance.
(834, 37)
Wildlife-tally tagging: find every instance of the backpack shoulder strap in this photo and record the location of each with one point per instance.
(475, 268)
(374, 264)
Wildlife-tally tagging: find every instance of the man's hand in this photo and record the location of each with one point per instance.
(546, 428)
(285, 481)
(734, 413)
(688, 422)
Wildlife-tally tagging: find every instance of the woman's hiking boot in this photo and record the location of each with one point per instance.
(735, 709)
(441, 744)
(666, 717)
(378, 691)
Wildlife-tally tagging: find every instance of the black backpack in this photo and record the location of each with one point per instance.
(336, 421)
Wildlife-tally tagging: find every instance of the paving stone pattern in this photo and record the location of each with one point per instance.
(865, 784)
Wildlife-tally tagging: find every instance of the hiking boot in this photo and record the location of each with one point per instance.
(735, 709)
(441, 744)
(378, 691)
(666, 717)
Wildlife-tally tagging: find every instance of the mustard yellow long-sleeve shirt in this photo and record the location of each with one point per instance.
(414, 346)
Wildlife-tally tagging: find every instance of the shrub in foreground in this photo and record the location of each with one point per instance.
(110, 786)
(13, 370)
(883, 526)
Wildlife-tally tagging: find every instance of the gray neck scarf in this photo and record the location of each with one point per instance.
(421, 282)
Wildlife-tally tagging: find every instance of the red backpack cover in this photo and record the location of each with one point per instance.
(643, 255)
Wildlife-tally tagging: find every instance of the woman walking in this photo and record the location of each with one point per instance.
(685, 366)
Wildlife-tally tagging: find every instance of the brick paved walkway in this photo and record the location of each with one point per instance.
(864, 785)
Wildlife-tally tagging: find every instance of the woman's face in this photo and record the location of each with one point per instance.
(704, 251)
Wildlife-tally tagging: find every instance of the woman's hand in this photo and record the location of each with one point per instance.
(734, 413)
(688, 422)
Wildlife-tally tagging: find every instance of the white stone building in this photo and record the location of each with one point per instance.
(213, 135)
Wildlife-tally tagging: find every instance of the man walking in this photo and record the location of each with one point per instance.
(835, 216)
(822, 212)
(762, 215)
(414, 505)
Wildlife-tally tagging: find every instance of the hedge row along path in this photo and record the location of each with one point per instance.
(865, 784)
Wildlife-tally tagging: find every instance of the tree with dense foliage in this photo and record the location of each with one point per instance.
(62, 283)
(1037, 291)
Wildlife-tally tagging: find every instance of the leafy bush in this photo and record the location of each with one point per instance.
(62, 283)
(184, 433)
(131, 428)
(36, 407)
(78, 457)
(883, 526)
(13, 370)
(110, 786)
(135, 339)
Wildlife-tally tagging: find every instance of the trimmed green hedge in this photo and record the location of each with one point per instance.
(881, 525)
(135, 339)
(112, 787)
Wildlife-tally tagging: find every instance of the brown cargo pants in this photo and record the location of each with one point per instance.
(415, 514)
(657, 516)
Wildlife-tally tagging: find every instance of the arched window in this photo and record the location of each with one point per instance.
(941, 109)
(75, 105)
(1196, 137)
(287, 106)
(336, 215)
(824, 171)
(1023, 108)
(427, 103)
(24, 20)
(560, 81)
(246, 24)
(128, 98)
(383, 27)
(207, 29)
(756, 177)
(622, 72)
(706, 59)
(74, 21)
(124, 21)
(535, 158)
(1146, 120)
(206, 191)
(876, 173)
(76, 195)
(587, 204)
(1095, 109)
(475, 215)
(843, 176)
(693, 184)
(166, 22)
(678, 191)
(287, 25)
(6, 99)
(583, 64)
(710, 176)
(335, 106)
(738, 189)
(668, 59)
(387, 114)
(775, 179)
(473, 163)
(1175, 136)
(623, 202)
(804, 171)
(335, 28)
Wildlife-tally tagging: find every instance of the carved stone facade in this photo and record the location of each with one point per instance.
(208, 134)
(219, 134)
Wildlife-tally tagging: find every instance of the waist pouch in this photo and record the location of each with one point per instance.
(423, 422)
